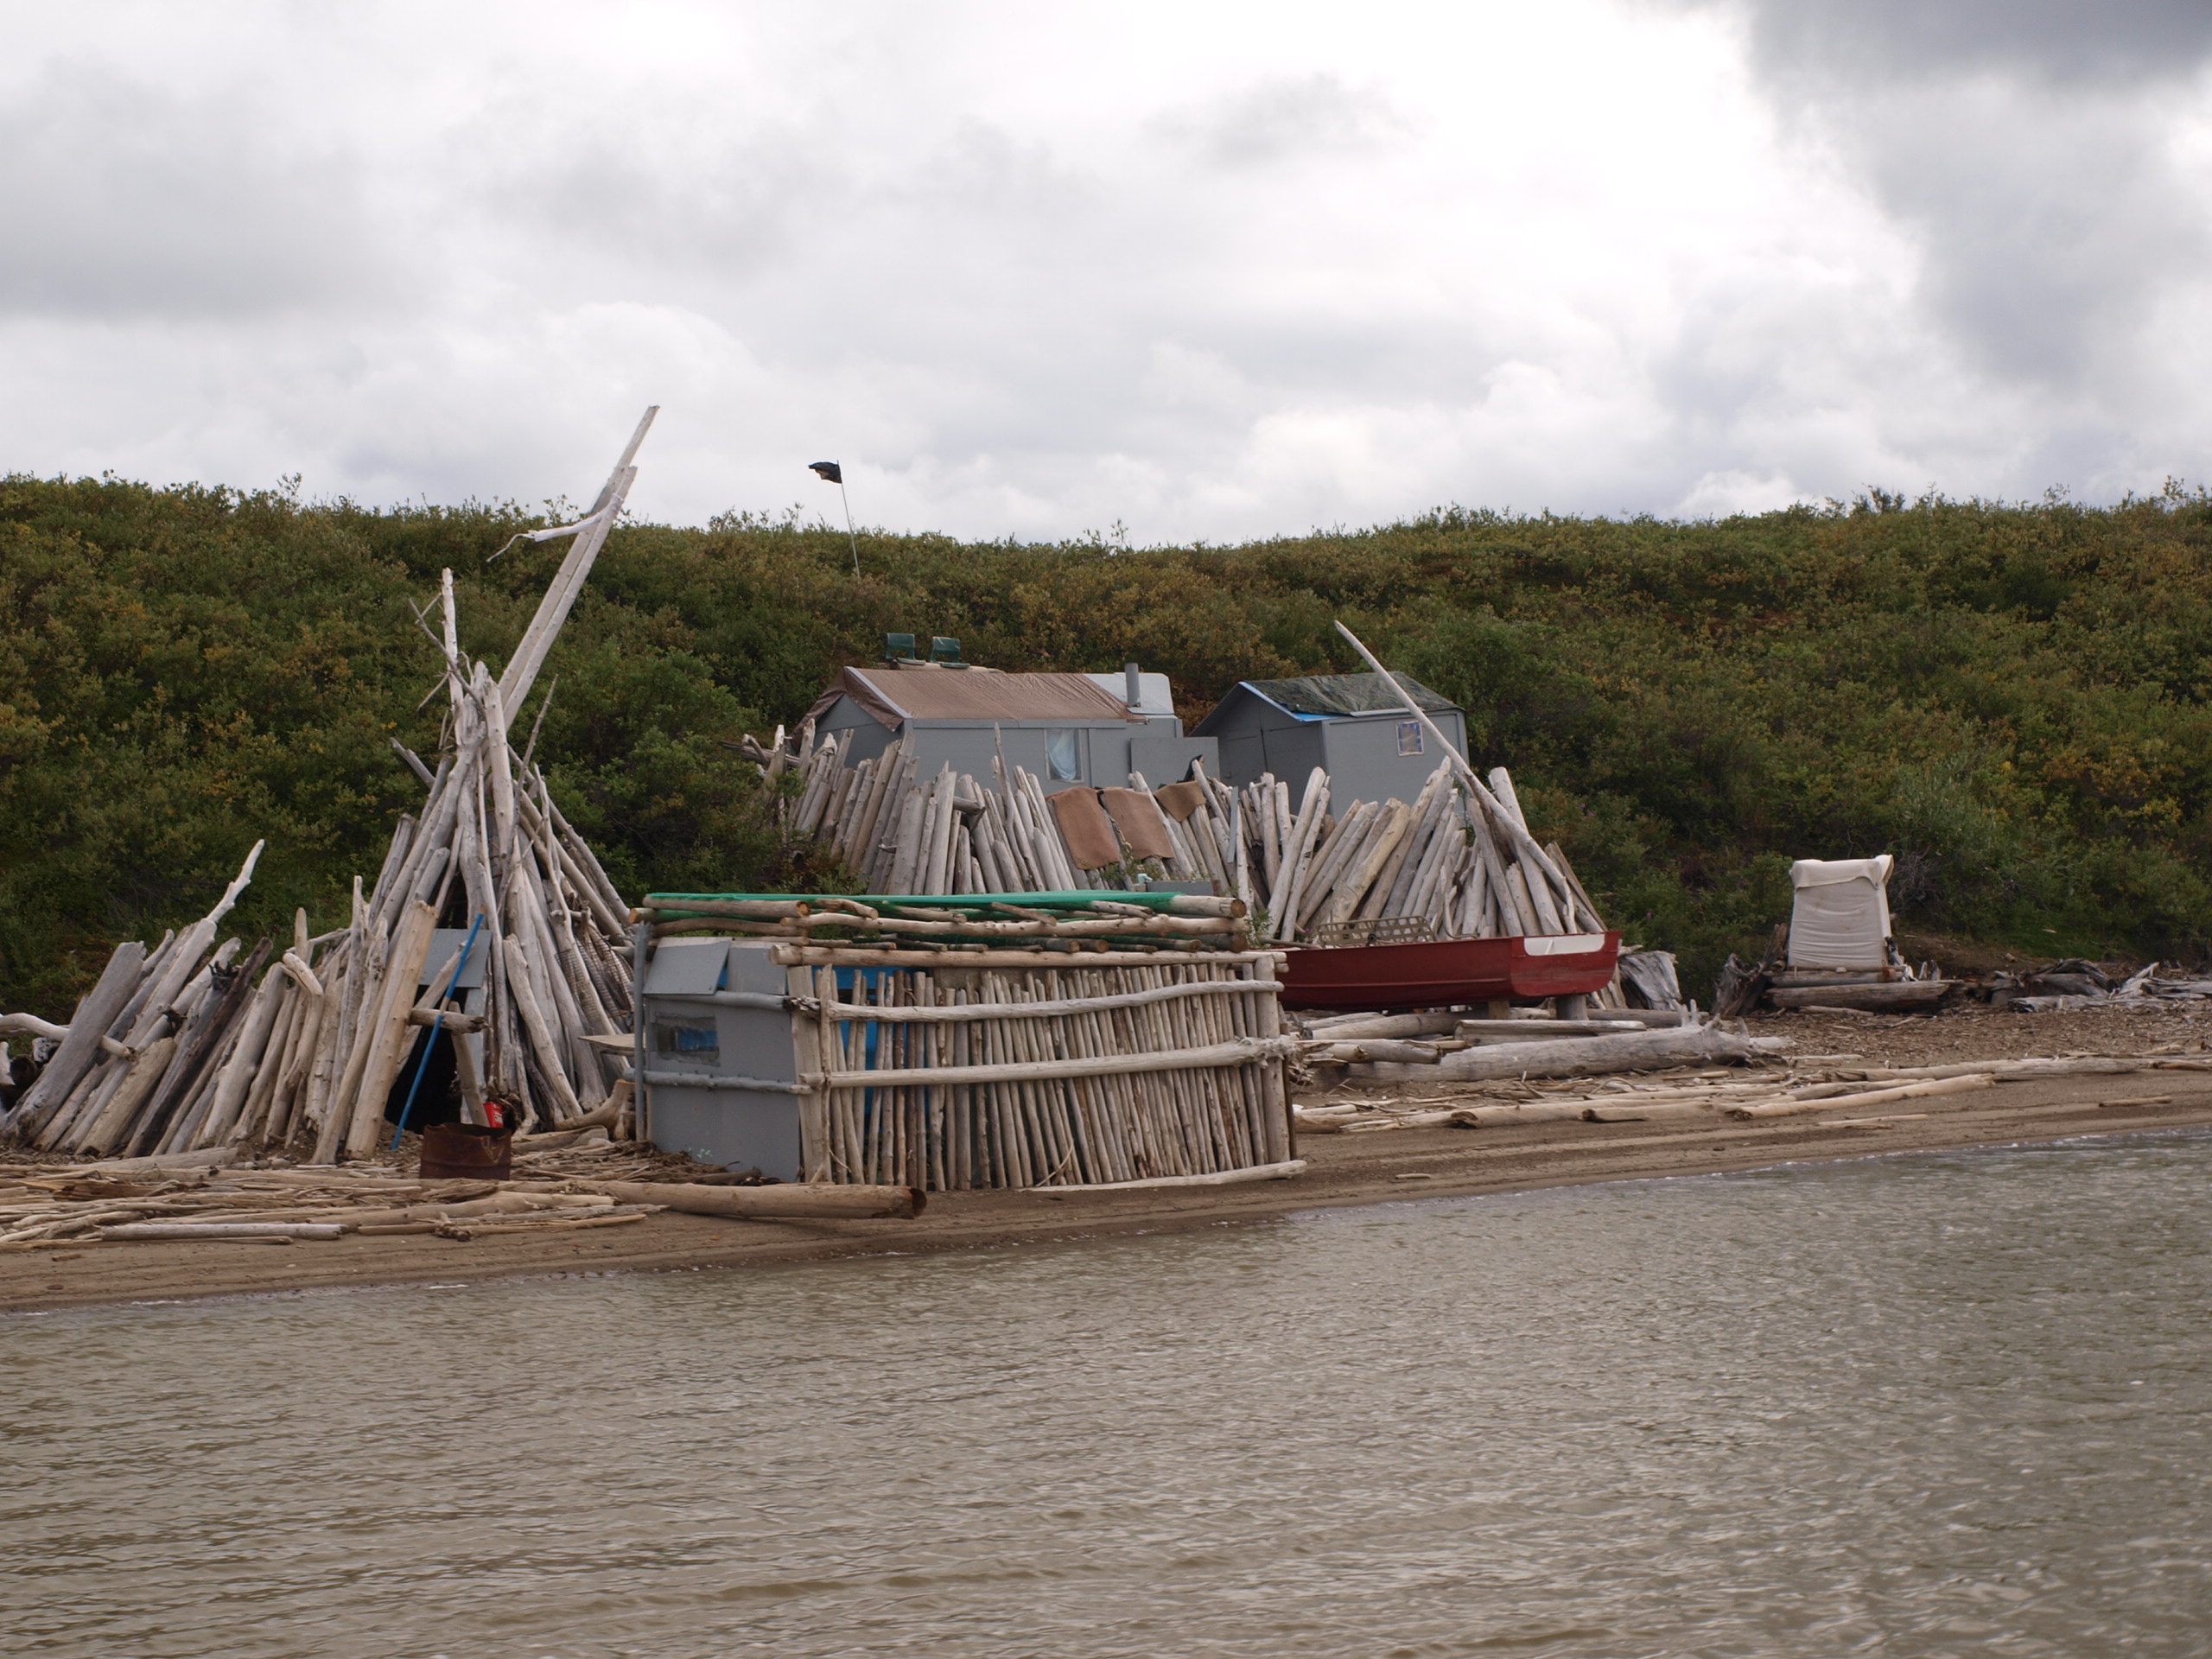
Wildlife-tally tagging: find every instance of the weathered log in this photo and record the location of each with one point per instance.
(1280, 1171)
(1501, 1117)
(184, 958)
(1583, 1057)
(222, 1229)
(115, 1119)
(207, 1158)
(2087, 1065)
(1439, 1022)
(1537, 1031)
(1286, 898)
(385, 1033)
(544, 1041)
(98, 1010)
(807, 1200)
(1364, 868)
(1332, 856)
(1798, 978)
(243, 1065)
(1526, 849)
(1897, 996)
(1962, 1085)
(1352, 1050)
(561, 595)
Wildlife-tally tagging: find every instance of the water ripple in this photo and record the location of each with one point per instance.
(1914, 1406)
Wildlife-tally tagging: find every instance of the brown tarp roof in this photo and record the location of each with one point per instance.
(893, 696)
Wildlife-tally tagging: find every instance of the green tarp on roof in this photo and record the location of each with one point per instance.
(1324, 696)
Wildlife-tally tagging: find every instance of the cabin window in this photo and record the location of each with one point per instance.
(687, 1039)
(1060, 755)
(1409, 736)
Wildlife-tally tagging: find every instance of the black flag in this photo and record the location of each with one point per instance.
(829, 471)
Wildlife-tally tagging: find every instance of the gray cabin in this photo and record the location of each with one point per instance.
(1066, 729)
(1351, 725)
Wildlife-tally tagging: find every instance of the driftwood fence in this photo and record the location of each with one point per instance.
(1067, 1040)
(1025, 1074)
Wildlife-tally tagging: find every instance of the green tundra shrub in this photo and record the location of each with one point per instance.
(2013, 700)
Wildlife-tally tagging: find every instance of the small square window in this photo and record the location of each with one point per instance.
(1409, 736)
(687, 1039)
(1060, 756)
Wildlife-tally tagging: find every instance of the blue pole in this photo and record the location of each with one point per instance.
(436, 1026)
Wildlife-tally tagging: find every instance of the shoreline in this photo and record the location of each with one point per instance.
(1343, 1171)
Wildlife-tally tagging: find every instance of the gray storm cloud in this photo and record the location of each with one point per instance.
(1028, 276)
(131, 199)
(2031, 151)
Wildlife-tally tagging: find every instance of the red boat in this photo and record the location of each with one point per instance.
(1445, 973)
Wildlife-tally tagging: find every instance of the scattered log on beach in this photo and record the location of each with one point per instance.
(1440, 1022)
(1961, 1085)
(1281, 1171)
(806, 1201)
(1581, 1057)
(1894, 996)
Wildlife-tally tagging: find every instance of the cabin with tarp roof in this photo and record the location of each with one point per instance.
(1353, 726)
(1069, 730)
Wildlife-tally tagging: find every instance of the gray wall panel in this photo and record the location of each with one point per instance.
(1364, 763)
(1292, 750)
(722, 1126)
(725, 1127)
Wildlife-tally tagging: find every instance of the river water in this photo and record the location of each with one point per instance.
(1941, 1404)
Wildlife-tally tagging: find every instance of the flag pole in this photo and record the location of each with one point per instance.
(833, 472)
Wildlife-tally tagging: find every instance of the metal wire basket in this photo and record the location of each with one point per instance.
(1383, 929)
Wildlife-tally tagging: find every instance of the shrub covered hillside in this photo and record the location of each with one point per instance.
(2013, 700)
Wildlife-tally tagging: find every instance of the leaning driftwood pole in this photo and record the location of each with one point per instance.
(81, 1048)
(590, 532)
(1524, 844)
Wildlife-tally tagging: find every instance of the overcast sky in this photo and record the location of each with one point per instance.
(1209, 271)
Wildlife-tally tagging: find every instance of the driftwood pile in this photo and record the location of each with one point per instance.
(1901, 988)
(189, 1045)
(1458, 862)
(2078, 984)
(1742, 988)
(1462, 865)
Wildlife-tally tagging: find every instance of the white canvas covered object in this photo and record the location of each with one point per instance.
(1841, 917)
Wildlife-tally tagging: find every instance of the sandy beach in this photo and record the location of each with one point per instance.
(1341, 1170)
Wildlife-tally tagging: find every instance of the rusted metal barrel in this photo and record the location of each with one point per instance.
(467, 1152)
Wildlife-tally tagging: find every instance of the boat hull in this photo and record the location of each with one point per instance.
(1442, 973)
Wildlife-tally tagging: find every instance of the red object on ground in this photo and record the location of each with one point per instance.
(1445, 972)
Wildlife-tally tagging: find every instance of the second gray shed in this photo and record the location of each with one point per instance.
(1350, 724)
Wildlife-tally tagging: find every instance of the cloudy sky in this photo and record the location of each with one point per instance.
(1206, 271)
